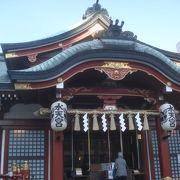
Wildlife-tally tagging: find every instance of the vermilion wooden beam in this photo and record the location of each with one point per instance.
(37, 50)
(147, 155)
(94, 64)
(61, 44)
(107, 93)
(57, 160)
(145, 151)
(164, 154)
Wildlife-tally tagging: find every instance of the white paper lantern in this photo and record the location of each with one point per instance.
(167, 113)
(58, 116)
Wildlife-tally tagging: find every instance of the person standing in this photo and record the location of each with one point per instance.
(120, 167)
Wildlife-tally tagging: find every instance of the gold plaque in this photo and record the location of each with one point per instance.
(177, 63)
(22, 86)
(117, 65)
(11, 55)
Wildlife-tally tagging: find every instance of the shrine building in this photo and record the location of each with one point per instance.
(70, 102)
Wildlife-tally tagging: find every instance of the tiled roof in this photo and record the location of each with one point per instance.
(87, 23)
(100, 44)
(119, 50)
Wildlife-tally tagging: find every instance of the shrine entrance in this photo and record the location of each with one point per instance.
(104, 147)
(105, 117)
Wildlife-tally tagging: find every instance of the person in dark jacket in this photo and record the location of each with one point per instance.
(121, 167)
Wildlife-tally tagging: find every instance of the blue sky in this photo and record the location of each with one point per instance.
(156, 22)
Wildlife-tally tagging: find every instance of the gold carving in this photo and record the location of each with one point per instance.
(169, 84)
(42, 112)
(116, 74)
(32, 57)
(60, 45)
(177, 63)
(116, 70)
(116, 65)
(59, 80)
(11, 55)
(22, 86)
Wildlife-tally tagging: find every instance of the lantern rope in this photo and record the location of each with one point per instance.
(47, 111)
(133, 112)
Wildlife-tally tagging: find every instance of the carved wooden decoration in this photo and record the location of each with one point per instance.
(116, 70)
(68, 93)
(32, 58)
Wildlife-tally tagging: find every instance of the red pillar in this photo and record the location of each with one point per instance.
(164, 154)
(58, 162)
(147, 154)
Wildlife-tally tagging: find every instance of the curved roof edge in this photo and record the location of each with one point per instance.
(6, 87)
(1, 57)
(165, 52)
(97, 49)
(87, 23)
(5, 82)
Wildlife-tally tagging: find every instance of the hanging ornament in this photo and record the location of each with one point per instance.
(112, 123)
(104, 122)
(138, 122)
(167, 113)
(58, 116)
(95, 123)
(131, 123)
(122, 122)
(76, 123)
(146, 124)
(85, 123)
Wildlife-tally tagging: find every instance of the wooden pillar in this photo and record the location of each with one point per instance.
(148, 161)
(164, 154)
(57, 160)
